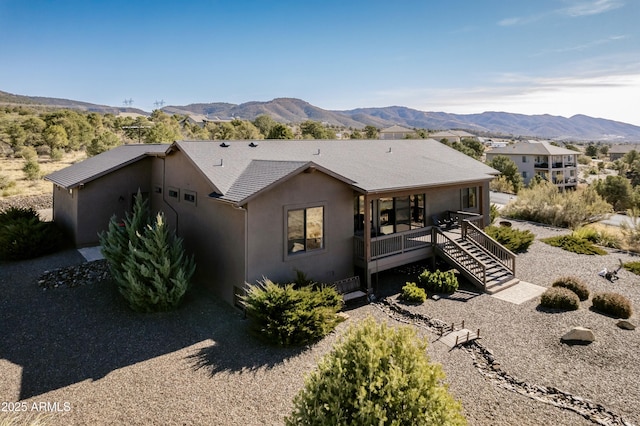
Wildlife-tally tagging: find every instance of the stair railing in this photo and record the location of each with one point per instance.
(491, 246)
(467, 262)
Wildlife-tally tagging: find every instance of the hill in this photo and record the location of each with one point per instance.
(291, 110)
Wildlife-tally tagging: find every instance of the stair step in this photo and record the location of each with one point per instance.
(499, 286)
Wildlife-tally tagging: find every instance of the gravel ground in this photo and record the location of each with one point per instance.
(81, 347)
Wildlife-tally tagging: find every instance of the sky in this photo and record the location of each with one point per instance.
(558, 57)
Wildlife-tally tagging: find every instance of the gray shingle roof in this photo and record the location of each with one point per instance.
(94, 167)
(238, 171)
(532, 148)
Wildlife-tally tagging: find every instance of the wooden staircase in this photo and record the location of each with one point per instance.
(486, 263)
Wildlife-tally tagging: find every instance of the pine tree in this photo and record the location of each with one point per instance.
(147, 261)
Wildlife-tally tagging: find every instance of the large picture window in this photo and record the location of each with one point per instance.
(305, 230)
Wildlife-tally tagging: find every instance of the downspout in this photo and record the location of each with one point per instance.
(164, 186)
(246, 241)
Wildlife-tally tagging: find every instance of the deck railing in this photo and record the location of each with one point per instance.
(398, 243)
(462, 216)
(456, 253)
(501, 253)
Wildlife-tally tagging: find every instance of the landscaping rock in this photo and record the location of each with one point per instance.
(626, 325)
(579, 335)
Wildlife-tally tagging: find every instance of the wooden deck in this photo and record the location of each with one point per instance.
(458, 337)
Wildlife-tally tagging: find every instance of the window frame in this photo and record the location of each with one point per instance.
(288, 255)
(465, 195)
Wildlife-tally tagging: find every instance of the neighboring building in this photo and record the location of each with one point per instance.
(616, 152)
(253, 209)
(452, 135)
(397, 132)
(539, 158)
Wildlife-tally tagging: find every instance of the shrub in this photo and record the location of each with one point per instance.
(494, 212)
(411, 293)
(544, 203)
(514, 239)
(438, 281)
(598, 236)
(147, 262)
(613, 304)
(24, 236)
(632, 267)
(560, 298)
(376, 372)
(287, 316)
(6, 183)
(575, 285)
(574, 244)
(32, 170)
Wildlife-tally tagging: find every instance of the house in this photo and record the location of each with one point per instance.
(540, 158)
(452, 135)
(616, 152)
(397, 132)
(253, 209)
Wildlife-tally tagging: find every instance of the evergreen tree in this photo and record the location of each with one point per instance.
(147, 262)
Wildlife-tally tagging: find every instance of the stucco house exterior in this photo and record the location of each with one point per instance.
(540, 158)
(253, 209)
(617, 152)
(397, 132)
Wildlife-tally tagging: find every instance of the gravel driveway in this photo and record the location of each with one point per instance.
(80, 356)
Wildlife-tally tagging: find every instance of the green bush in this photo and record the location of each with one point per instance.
(514, 239)
(599, 237)
(632, 267)
(411, 293)
(287, 316)
(613, 304)
(32, 170)
(575, 285)
(376, 375)
(493, 213)
(560, 298)
(574, 244)
(24, 236)
(147, 262)
(544, 203)
(439, 281)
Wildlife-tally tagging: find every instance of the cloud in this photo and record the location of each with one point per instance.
(591, 7)
(583, 46)
(576, 9)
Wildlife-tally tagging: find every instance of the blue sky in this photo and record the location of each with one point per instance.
(561, 57)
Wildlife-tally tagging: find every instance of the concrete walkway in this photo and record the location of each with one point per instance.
(520, 293)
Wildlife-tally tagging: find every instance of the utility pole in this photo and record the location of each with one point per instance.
(139, 130)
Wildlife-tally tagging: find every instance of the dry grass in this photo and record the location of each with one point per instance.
(11, 169)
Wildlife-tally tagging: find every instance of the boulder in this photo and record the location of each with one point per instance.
(626, 325)
(579, 335)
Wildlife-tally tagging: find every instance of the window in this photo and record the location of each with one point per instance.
(190, 197)
(470, 198)
(524, 158)
(305, 230)
(525, 175)
(174, 193)
(157, 189)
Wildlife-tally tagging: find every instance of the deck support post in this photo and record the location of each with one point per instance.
(367, 243)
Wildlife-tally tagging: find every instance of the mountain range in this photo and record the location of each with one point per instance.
(291, 110)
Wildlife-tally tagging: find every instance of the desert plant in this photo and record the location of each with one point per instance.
(544, 203)
(633, 267)
(147, 261)
(411, 293)
(31, 170)
(439, 281)
(560, 298)
(575, 285)
(574, 244)
(613, 304)
(514, 239)
(287, 316)
(24, 236)
(376, 375)
(6, 183)
(631, 229)
(494, 212)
